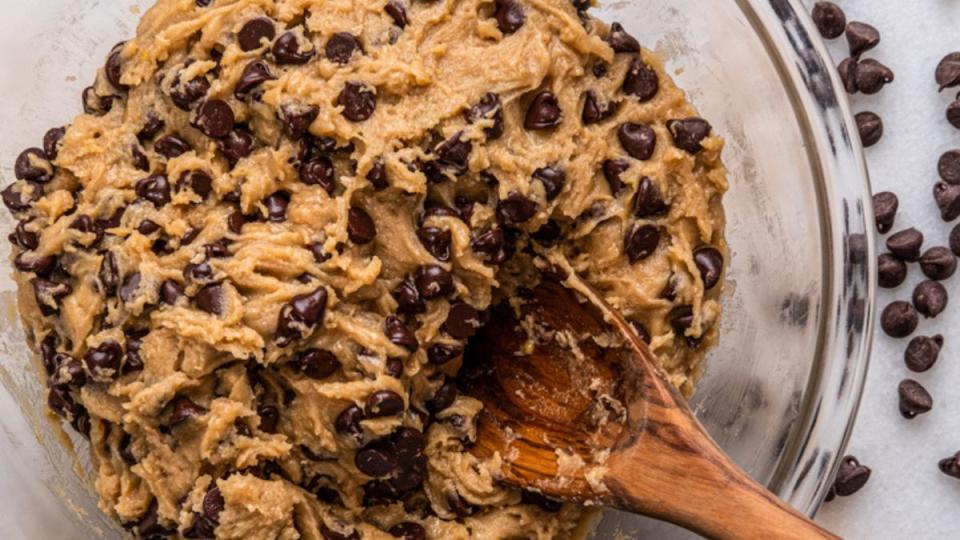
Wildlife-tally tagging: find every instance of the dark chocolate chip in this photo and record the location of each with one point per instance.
(441, 353)
(251, 35)
(455, 152)
(109, 275)
(922, 352)
(408, 298)
(408, 530)
(196, 180)
(297, 118)
(885, 206)
(360, 226)
(32, 164)
(891, 271)
(213, 503)
(103, 361)
(641, 81)
(948, 166)
(906, 244)
(140, 160)
(436, 241)
(688, 134)
(870, 127)
(930, 298)
(269, 418)
(872, 76)
(639, 140)
(709, 261)
(358, 101)
(52, 141)
(463, 320)
(113, 69)
(399, 334)
(198, 272)
(947, 197)
(316, 363)
(914, 398)
(377, 175)
(553, 178)
(183, 409)
(648, 201)
(378, 459)
(848, 74)
(155, 189)
(151, 128)
(950, 466)
(641, 242)
(444, 397)
(620, 41)
(185, 94)
(397, 12)
(277, 206)
(210, 298)
(594, 111)
(48, 294)
(861, 37)
(899, 319)
(488, 108)
(348, 422)
(303, 312)
(383, 403)
(319, 172)
(509, 15)
(20, 196)
(544, 112)
(287, 50)
(516, 208)
(214, 118)
(171, 146)
(491, 244)
(948, 71)
(938, 263)
(29, 262)
(170, 292)
(613, 170)
(830, 19)
(953, 113)
(851, 477)
(341, 46)
(130, 287)
(433, 281)
(23, 238)
(254, 74)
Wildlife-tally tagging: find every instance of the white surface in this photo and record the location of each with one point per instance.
(907, 496)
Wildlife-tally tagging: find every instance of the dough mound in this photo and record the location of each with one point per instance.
(251, 267)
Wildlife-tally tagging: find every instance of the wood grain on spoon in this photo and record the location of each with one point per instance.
(577, 409)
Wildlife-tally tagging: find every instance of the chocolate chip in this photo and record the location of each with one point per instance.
(709, 262)
(210, 298)
(171, 146)
(436, 241)
(455, 152)
(953, 113)
(930, 298)
(32, 164)
(277, 206)
(938, 263)
(140, 160)
(130, 287)
(408, 530)
(948, 71)
(254, 31)
(914, 398)
(19, 196)
(891, 271)
(399, 334)
(830, 19)
(905, 245)
(620, 41)
(872, 76)
(441, 353)
(185, 94)
(103, 361)
(612, 171)
(848, 74)
(491, 244)
(383, 403)
(488, 108)
(214, 118)
(594, 111)
(95, 104)
(254, 74)
(213, 503)
(861, 37)
(408, 298)
(297, 118)
(23, 238)
(543, 112)
(348, 422)
(155, 189)
(553, 179)
(42, 266)
(198, 272)
(319, 172)
(360, 226)
(639, 140)
(316, 363)
(341, 46)
(397, 12)
(509, 15)
(458, 505)
(109, 276)
(269, 418)
(301, 314)
(870, 127)
(950, 466)
(851, 477)
(377, 459)
(433, 281)
(48, 294)
(548, 234)
(52, 141)
(947, 197)
(641, 81)
(183, 409)
(641, 242)
(377, 175)
(170, 292)
(113, 69)
(196, 180)
(648, 201)
(463, 320)
(899, 319)
(948, 166)
(444, 397)
(516, 208)
(69, 373)
(151, 128)
(885, 206)
(689, 133)
(922, 352)
(358, 101)
(287, 50)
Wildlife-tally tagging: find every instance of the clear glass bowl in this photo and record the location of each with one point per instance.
(780, 392)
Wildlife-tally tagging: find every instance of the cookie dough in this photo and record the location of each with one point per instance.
(250, 268)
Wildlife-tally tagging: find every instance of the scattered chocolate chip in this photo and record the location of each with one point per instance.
(197, 181)
(319, 172)
(543, 112)
(399, 334)
(488, 108)
(861, 37)
(23, 238)
(516, 208)
(358, 101)
(885, 206)
(648, 201)
(52, 141)
(930, 298)
(938, 263)
(183, 409)
(341, 46)
(251, 35)
(433, 281)
(689, 133)
(709, 262)
(297, 118)
(851, 477)
(408, 298)
(20, 196)
(103, 361)
(397, 12)
(830, 19)
(455, 152)
(171, 146)
(155, 189)
(612, 171)
(170, 292)
(211, 299)
(641, 242)
(491, 244)
(922, 352)
(32, 164)
(185, 94)
(948, 71)
(848, 74)
(441, 353)
(914, 398)
(383, 403)
(254, 74)
(463, 320)
(287, 50)
(599, 69)
(595, 112)
(905, 245)
(509, 15)
(553, 178)
(947, 197)
(316, 363)
(436, 241)
(899, 319)
(950, 466)
(891, 271)
(360, 226)
(948, 166)
(277, 206)
(214, 118)
(301, 314)
(639, 140)
(348, 422)
(872, 76)
(641, 81)
(870, 127)
(620, 41)
(42, 265)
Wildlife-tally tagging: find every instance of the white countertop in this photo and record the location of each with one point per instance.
(907, 496)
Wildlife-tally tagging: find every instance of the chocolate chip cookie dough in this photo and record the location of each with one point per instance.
(251, 267)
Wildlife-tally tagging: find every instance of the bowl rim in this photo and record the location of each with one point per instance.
(835, 385)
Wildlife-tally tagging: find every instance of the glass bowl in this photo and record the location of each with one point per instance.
(781, 391)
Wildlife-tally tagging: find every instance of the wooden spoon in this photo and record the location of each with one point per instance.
(596, 424)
